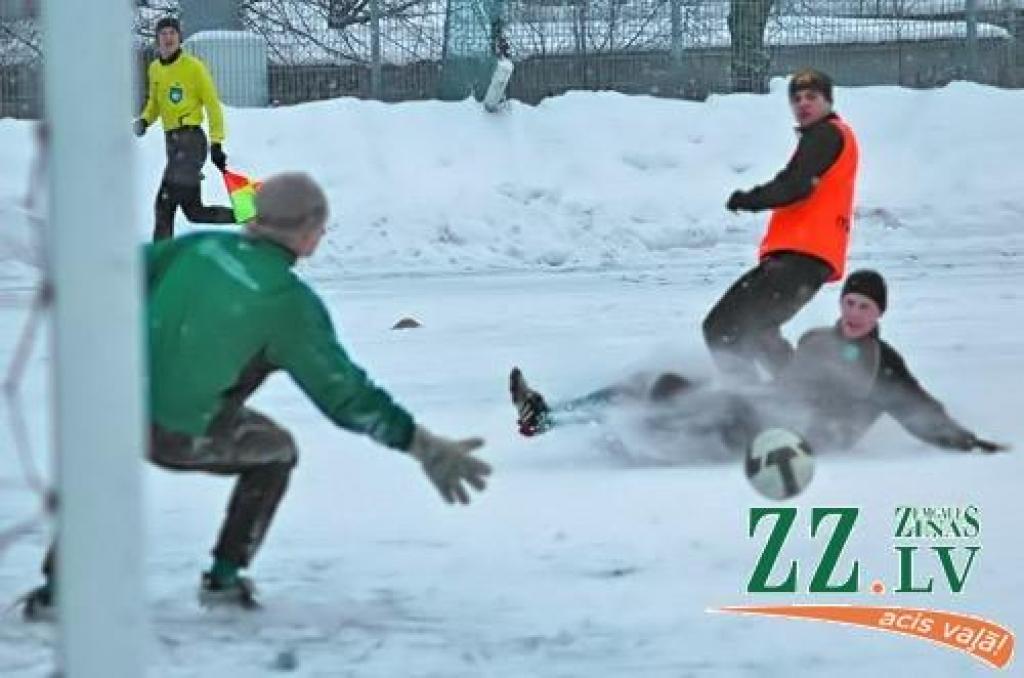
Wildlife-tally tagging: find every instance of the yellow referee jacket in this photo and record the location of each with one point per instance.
(178, 92)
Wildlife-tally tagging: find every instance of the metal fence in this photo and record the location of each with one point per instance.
(397, 50)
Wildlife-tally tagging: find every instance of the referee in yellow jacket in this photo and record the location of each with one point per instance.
(180, 88)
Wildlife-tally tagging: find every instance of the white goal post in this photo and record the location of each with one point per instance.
(97, 349)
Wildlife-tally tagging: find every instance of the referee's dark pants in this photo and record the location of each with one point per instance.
(180, 187)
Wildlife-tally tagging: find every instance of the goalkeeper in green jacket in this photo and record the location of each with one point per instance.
(224, 311)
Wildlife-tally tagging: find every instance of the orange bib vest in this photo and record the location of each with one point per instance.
(819, 225)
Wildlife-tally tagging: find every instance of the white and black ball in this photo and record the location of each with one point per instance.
(779, 463)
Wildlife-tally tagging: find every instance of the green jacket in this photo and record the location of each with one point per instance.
(225, 310)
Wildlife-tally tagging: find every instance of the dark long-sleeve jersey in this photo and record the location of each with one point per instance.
(848, 384)
(819, 148)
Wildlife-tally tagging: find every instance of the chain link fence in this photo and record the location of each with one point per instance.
(396, 50)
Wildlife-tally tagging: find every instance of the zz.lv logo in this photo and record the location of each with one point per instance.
(843, 521)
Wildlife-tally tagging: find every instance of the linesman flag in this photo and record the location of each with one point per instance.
(242, 191)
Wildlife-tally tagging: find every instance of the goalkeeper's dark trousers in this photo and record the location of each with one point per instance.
(245, 444)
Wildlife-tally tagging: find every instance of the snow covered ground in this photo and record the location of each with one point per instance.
(578, 239)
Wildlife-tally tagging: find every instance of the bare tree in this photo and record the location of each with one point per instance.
(20, 41)
(749, 65)
(330, 31)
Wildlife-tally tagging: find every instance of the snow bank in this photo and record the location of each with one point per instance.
(600, 180)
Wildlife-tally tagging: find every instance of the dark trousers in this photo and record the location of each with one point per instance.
(245, 444)
(743, 328)
(186, 153)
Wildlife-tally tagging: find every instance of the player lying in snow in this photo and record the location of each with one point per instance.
(841, 379)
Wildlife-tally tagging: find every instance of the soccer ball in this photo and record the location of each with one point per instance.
(779, 463)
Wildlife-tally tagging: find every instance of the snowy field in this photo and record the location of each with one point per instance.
(578, 239)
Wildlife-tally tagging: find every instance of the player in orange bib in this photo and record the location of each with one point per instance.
(806, 241)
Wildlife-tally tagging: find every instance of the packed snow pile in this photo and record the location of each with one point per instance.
(595, 180)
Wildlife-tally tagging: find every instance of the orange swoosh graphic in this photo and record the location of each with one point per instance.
(984, 640)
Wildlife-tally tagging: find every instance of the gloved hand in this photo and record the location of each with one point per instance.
(139, 127)
(448, 463)
(967, 442)
(987, 446)
(218, 157)
(739, 200)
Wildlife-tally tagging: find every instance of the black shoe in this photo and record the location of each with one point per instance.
(241, 593)
(39, 605)
(533, 411)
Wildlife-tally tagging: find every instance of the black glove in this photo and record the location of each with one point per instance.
(739, 200)
(139, 127)
(988, 447)
(967, 442)
(218, 157)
